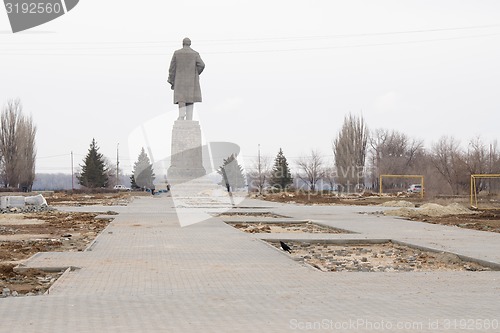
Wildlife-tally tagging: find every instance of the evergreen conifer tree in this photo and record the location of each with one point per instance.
(133, 184)
(143, 175)
(94, 171)
(234, 173)
(280, 174)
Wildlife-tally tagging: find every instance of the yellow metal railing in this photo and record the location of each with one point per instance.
(473, 188)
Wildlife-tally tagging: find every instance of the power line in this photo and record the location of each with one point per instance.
(356, 45)
(273, 39)
(53, 156)
(21, 52)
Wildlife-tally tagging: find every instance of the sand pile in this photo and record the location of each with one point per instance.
(431, 210)
(397, 203)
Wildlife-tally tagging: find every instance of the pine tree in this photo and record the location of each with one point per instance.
(143, 175)
(280, 174)
(94, 171)
(234, 173)
(133, 184)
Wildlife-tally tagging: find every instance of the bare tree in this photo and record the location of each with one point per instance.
(330, 176)
(378, 140)
(27, 153)
(493, 165)
(482, 159)
(8, 143)
(393, 152)
(110, 168)
(494, 158)
(17, 146)
(477, 156)
(449, 161)
(310, 169)
(259, 173)
(349, 149)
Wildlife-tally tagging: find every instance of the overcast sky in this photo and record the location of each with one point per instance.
(279, 73)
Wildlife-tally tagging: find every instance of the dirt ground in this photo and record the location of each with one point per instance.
(384, 257)
(268, 228)
(250, 214)
(485, 221)
(365, 199)
(488, 220)
(23, 235)
(78, 199)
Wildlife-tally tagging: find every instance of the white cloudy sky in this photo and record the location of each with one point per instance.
(279, 73)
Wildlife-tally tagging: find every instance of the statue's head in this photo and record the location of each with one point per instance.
(186, 42)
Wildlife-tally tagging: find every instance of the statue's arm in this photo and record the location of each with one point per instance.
(200, 65)
(171, 72)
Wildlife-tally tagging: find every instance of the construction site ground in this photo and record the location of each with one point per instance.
(24, 234)
(485, 220)
(148, 271)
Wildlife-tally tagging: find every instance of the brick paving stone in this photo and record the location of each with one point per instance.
(147, 274)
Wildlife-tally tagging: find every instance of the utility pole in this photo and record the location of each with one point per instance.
(260, 176)
(490, 167)
(72, 174)
(117, 164)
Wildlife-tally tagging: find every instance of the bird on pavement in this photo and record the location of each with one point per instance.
(285, 247)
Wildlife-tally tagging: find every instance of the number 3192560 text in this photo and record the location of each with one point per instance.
(33, 8)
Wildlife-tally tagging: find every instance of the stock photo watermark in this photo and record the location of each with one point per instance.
(434, 324)
(24, 15)
(196, 196)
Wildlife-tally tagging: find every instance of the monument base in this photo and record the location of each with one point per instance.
(177, 175)
(186, 161)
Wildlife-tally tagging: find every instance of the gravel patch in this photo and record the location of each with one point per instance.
(269, 227)
(398, 203)
(385, 257)
(251, 214)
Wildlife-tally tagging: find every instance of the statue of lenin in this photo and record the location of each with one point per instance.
(184, 77)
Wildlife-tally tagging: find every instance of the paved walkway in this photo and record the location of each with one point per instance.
(145, 273)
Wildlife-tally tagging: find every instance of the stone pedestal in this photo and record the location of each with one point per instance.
(186, 161)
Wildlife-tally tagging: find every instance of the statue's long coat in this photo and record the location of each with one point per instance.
(184, 75)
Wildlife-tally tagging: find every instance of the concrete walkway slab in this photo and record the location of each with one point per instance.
(145, 273)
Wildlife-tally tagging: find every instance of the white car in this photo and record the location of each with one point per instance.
(121, 188)
(415, 188)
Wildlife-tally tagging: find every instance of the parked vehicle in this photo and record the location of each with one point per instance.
(121, 188)
(415, 188)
